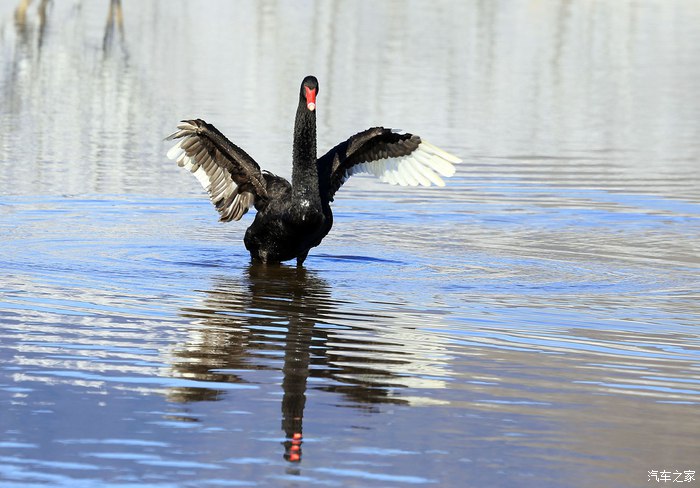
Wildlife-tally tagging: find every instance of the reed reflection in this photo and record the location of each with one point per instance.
(24, 27)
(115, 23)
(284, 315)
(32, 25)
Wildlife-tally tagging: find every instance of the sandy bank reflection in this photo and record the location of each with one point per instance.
(278, 318)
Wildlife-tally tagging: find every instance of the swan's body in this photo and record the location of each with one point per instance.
(293, 218)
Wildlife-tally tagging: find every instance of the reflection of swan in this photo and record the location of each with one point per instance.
(281, 309)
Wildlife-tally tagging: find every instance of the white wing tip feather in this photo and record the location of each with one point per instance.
(426, 166)
(202, 177)
(175, 151)
(439, 152)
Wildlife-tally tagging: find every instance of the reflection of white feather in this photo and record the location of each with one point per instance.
(425, 166)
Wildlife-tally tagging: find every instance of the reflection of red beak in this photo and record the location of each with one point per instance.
(310, 98)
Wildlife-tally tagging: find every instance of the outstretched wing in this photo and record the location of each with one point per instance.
(231, 177)
(397, 158)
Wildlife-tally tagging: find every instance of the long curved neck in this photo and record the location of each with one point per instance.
(304, 170)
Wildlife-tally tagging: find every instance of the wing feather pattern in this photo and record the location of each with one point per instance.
(230, 176)
(394, 157)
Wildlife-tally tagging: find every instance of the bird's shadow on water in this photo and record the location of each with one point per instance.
(273, 318)
(363, 259)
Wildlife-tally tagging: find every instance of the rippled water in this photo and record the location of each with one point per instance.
(533, 323)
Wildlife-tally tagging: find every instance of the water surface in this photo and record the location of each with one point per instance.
(534, 323)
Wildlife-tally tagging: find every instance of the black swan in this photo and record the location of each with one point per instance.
(293, 218)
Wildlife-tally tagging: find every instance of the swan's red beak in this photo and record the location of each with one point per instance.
(310, 98)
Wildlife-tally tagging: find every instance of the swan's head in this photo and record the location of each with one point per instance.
(309, 90)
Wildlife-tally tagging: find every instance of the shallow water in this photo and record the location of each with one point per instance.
(534, 323)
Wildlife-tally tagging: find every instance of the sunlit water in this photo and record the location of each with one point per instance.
(535, 323)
